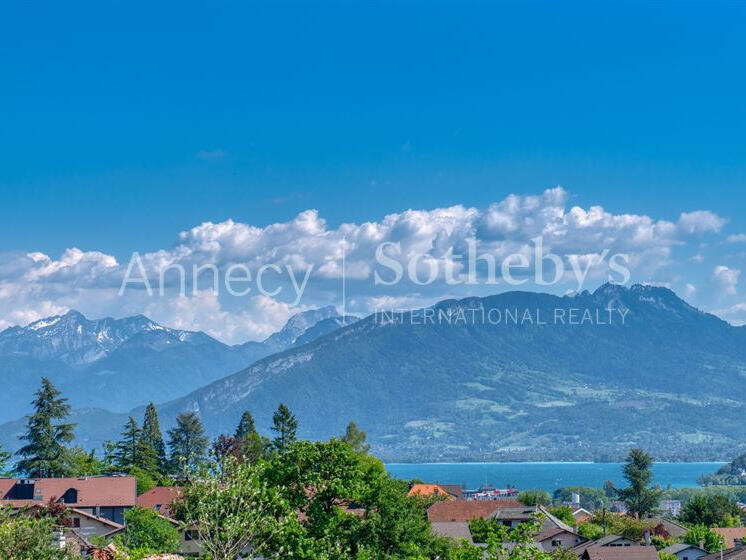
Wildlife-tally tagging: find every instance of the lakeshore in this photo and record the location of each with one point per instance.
(546, 476)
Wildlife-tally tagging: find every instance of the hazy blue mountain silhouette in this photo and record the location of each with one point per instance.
(117, 364)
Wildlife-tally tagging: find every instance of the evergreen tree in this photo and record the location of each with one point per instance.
(127, 451)
(109, 449)
(187, 442)
(4, 458)
(285, 426)
(246, 426)
(639, 498)
(46, 435)
(355, 438)
(252, 447)
(152, 436)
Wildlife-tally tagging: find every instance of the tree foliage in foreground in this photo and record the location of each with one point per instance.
(28, 537)
(147, 533)
(701, 535)
(232, 511)
(714, 510)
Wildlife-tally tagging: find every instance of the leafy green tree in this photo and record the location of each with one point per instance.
(520, 539)
(285, 426)
(560, 553)
(714, 510)
(108, 450)
(481, 528)
(84, 463)
(590, 498)
(152, 436)
(145, 533)
(563, 513)
(187, 442)
(534, 498)
(230, 512)
(28, 537)
(355, 438)
(46, 435)
(667, 556)
(700, 535)
(590, 531)
(354, 510)
(639, 498)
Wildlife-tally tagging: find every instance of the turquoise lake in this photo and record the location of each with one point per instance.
(547, 476)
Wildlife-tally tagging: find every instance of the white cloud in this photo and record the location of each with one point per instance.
(735, 314)
(726, 278)
(701, 221)
(689, 291)
(34, 283)
(736, 238)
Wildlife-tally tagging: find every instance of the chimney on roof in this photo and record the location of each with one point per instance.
(647, 538)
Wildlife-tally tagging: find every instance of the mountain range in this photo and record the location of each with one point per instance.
(117, 364)
(637, 366)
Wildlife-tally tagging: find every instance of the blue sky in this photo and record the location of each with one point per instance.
(124, 124)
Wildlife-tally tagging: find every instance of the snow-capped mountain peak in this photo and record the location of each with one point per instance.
(74, 339)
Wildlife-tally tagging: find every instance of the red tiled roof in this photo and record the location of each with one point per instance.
(92, 491)
(731, 534)
(428, 490)
(462, 510)
(163, 495)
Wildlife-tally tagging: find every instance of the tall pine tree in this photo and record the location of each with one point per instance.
(45, 452)
(246, 426)
(152, 436)
(127, 453)
(285, 426)
(187, 442)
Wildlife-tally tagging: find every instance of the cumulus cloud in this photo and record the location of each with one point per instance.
(736, 238)
(34, 284)
(726, 278)
(701, 221)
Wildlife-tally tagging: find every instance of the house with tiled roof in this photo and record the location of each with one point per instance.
(88, 525)
(159, 499)
(619, 553)
(735, 553)
(456, 530)
(106, 497)
(429, 491)
(685, 551)
(731, 535)
(609, 541)
(463, 510)
(455, 490)
(581, 515)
